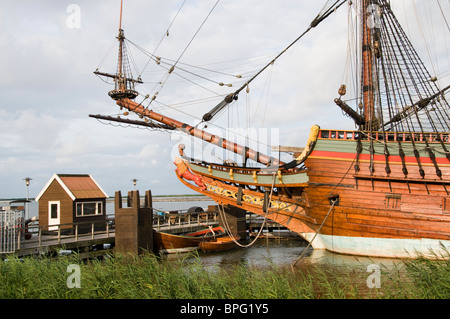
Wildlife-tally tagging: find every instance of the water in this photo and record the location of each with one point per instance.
(285, 252)
(262, 253)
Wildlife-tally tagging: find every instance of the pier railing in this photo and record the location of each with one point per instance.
(39, 237)
(64, 233)
(181, 219)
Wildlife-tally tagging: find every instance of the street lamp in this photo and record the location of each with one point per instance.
(27, 182)
(134, 183)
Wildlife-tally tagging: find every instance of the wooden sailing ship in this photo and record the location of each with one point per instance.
(381, 189)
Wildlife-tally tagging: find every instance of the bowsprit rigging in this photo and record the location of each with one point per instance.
(381, 189)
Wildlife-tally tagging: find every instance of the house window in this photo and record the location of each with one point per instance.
(89, 209)
(53, 211)
(393, 201)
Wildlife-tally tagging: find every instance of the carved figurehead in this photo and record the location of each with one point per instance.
(183, 171)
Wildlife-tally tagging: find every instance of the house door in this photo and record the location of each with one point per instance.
(53, 214)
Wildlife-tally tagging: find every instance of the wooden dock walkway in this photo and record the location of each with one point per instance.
(99, 239)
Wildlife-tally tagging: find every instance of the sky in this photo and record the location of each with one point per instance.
(49, 50)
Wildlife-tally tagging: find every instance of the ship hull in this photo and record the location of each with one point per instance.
(381, 247)
(379, 210)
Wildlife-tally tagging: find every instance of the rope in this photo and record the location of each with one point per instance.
(333, 202)
(164, 81)
(166, 33)
(227, 226)
(320, 17)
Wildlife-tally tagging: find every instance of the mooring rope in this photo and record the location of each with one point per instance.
(333, 202)
(227, 226)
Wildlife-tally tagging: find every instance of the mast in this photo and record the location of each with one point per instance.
(368, 13)
(124, 94)
(120, 37)
(124, 82)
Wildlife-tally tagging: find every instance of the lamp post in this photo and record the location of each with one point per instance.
(27, 182)
(134, 183)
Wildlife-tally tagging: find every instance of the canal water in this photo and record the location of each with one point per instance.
(285, 252)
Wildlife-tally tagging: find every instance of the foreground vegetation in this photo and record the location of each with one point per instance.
(148, 276)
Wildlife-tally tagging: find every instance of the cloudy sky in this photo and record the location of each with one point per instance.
(50, 48)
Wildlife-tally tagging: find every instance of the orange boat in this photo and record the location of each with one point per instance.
(218, 244)
(171, 243)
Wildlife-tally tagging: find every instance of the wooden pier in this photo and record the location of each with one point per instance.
(96, 238)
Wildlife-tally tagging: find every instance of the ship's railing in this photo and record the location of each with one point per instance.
(226, 168)
(386, 136)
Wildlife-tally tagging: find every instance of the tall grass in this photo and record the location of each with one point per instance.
(148, 276)
(426, 278)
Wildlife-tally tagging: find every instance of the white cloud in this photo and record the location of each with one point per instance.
(47, 87)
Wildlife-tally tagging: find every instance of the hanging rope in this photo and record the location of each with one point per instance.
(227, 226)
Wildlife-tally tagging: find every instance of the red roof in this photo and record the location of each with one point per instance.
(77, 186)
(82, 186)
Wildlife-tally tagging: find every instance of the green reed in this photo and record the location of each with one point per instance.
(147, 276)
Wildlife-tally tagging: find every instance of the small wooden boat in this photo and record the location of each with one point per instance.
(171, 243)
(219, 244)
(211, 231)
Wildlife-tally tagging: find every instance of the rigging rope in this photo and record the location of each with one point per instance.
(333, 202)
(227, 226)
(166, 33)
(233, 96)
(163, 82)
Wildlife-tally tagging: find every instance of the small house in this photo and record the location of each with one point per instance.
(68, 199)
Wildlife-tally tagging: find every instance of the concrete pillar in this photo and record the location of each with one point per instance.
(134, 224)
(236, 220)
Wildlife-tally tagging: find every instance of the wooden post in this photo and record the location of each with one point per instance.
(236, 220)
(134, 224)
